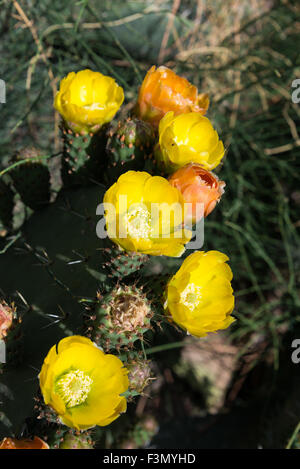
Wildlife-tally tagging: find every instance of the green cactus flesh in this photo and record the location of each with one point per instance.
(6, 205)
(120, 263)
(129, 145)
(31, 179)
(83, 157)
(56, 267)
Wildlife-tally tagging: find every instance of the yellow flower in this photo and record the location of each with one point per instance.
(188, 138)
(87, 100)
(162, 91)
(145, 214)
(83, 384)
(199, 296)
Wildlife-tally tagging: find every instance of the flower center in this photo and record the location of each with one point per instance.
(191, 296)
(74, 387)
(138, 223)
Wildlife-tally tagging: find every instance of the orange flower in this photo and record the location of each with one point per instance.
(24, 443)
(6, 318)
(197, 185)
(163, 91)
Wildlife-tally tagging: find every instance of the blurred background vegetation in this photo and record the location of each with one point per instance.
(238, 389)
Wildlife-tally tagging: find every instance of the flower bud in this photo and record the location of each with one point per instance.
(139, 375)
(6, 318)
(80, 440)
(188, 138)
(87, 100)
(163, 91)
(197, 186)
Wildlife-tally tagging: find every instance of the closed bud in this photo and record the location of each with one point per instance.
(198, 186)
(6, 318)
(77, 441)
(187, 138)
(163, 91)
(139, 375)
(87, 100)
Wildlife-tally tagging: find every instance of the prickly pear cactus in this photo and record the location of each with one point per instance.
(120, 318)
(140, 433)
(120, 263)
(128, 147)
(83, 157)
(64, 285)
(59, 267)
(76, 441)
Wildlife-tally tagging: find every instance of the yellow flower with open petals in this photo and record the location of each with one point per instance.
(87, 100)
(83, 384)
(145, 214)
(188, 138)
(199, 296)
